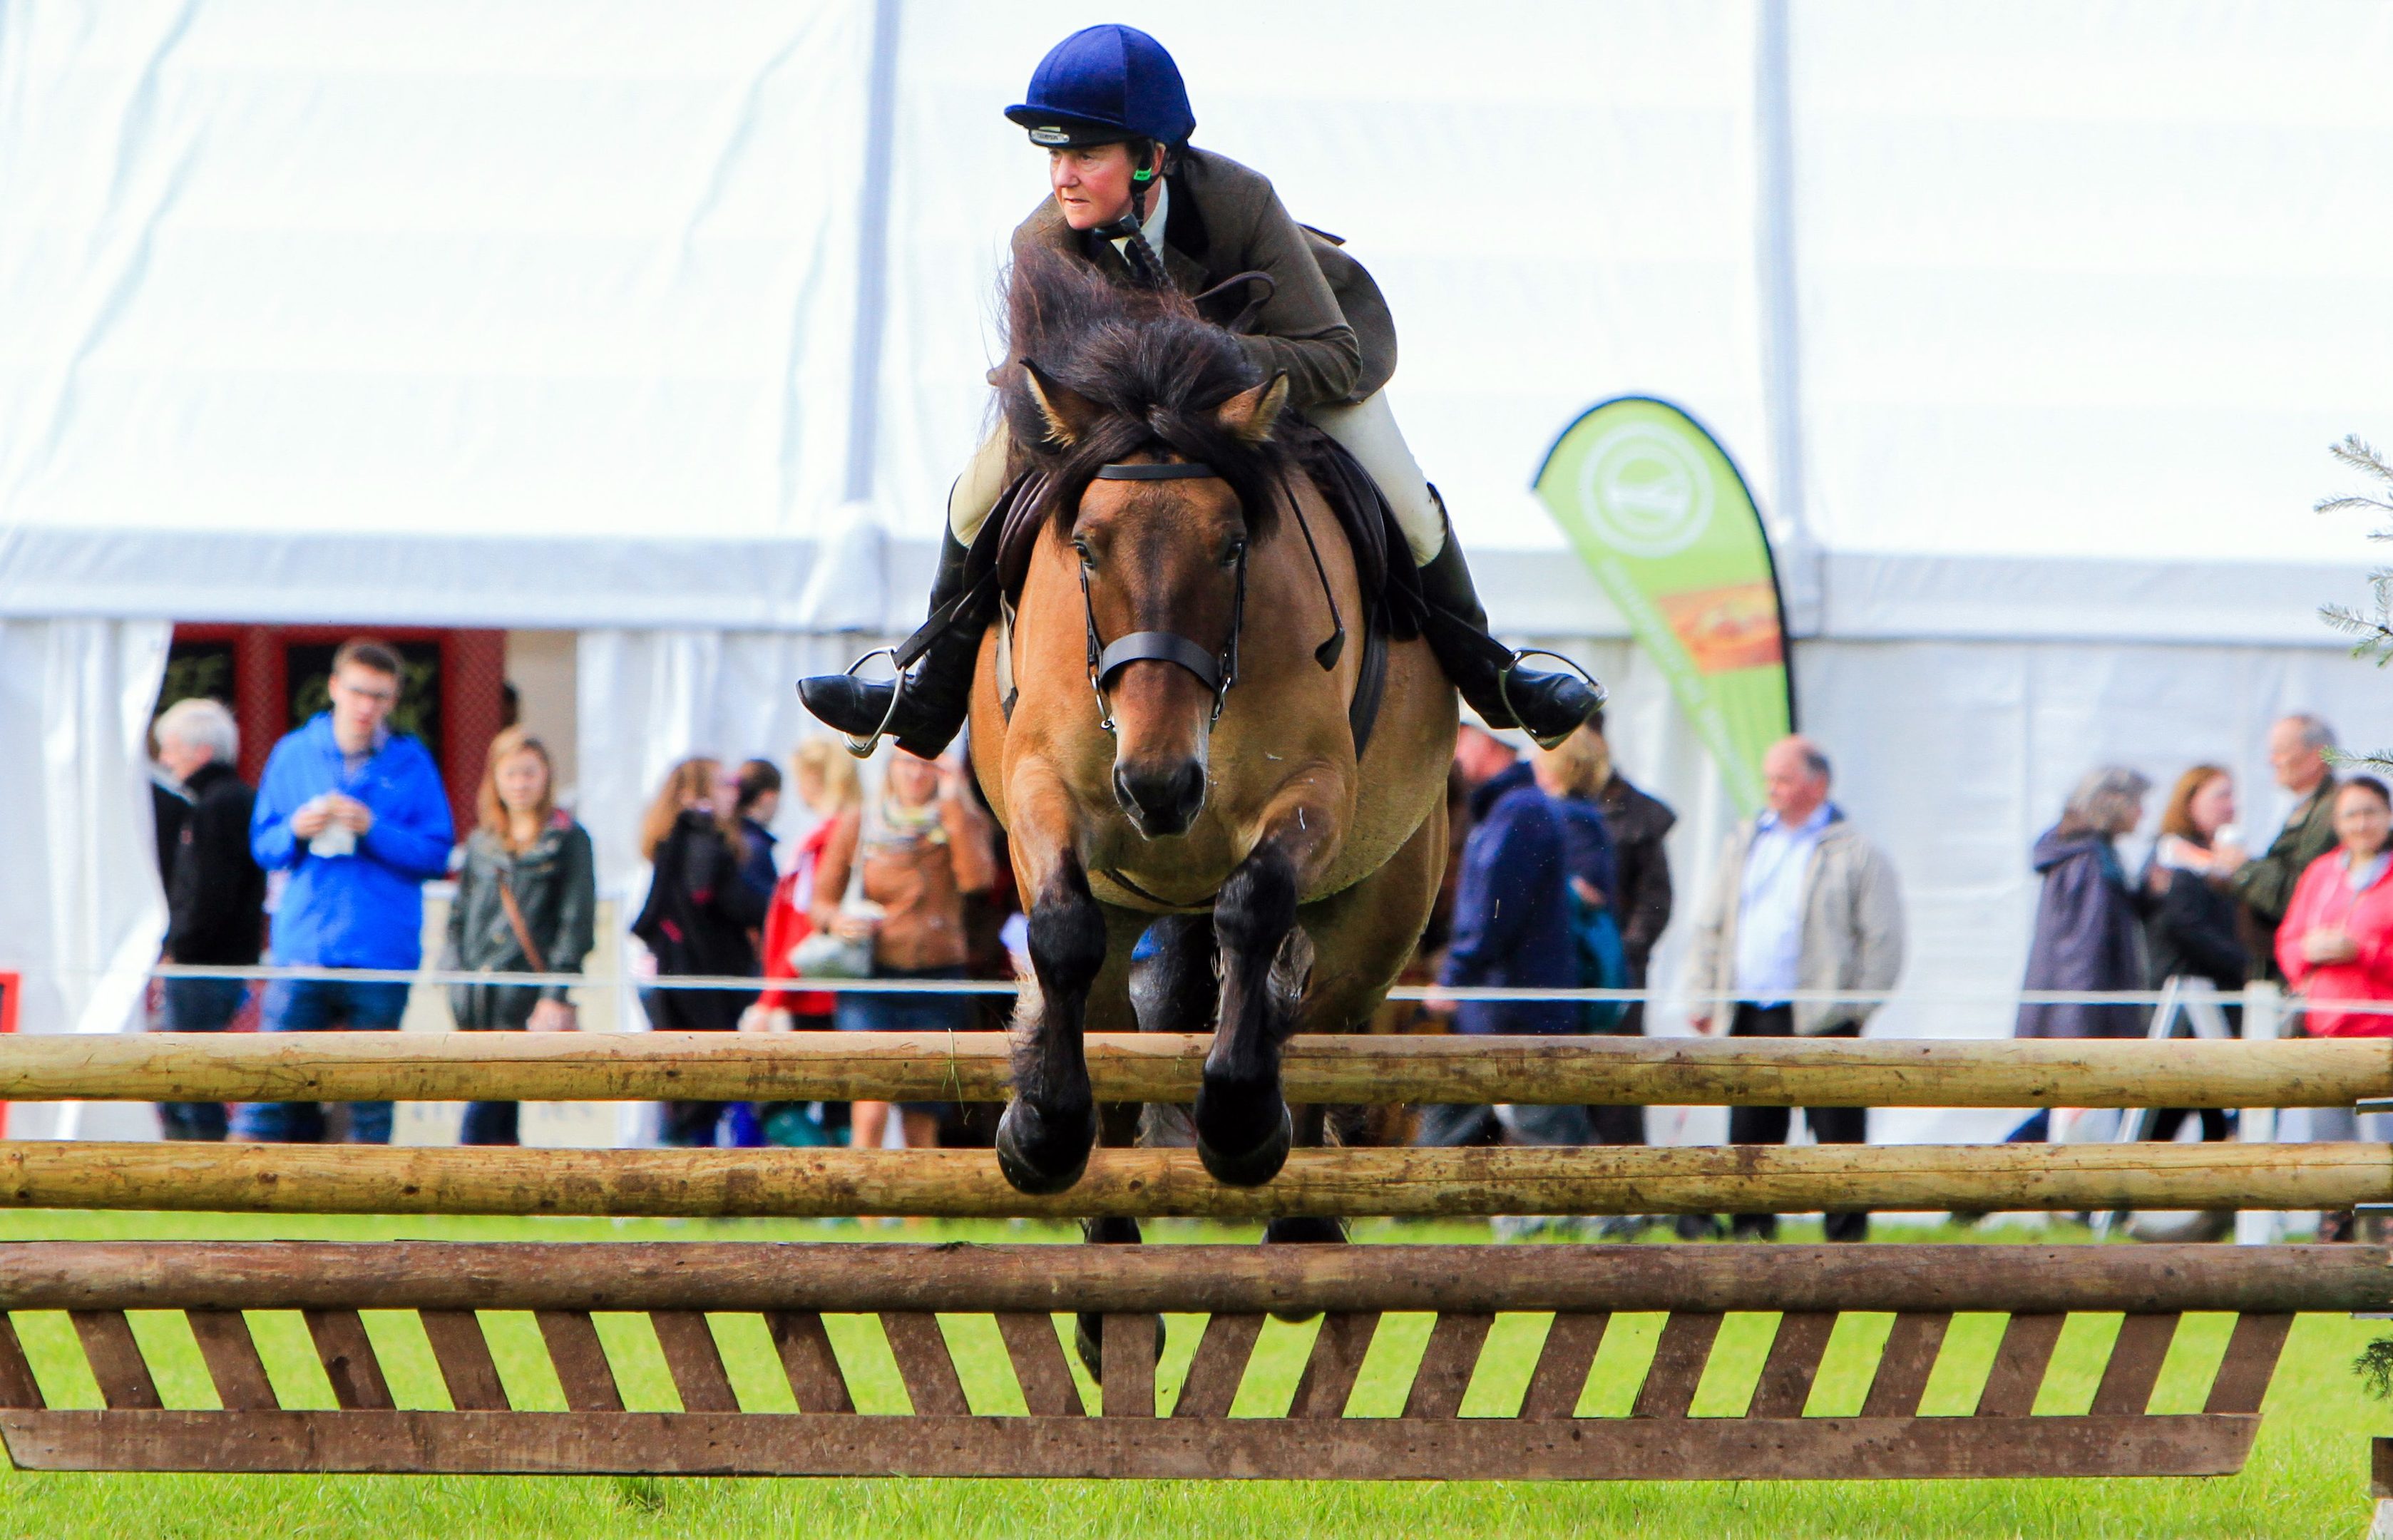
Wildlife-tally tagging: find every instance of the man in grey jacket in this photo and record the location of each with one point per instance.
(1801, 904)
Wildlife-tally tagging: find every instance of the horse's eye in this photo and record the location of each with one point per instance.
(1229, 557)
(1088, 557)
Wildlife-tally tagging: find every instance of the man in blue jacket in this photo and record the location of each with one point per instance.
(356, 815)
(1511, 919)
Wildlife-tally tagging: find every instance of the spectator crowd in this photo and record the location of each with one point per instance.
(1561, 880)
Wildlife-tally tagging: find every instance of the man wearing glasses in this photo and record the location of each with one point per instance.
(354, 814)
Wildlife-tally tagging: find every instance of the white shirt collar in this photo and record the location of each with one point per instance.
(1150, 229)
(1813, 824)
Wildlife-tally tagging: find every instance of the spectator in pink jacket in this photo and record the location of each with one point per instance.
(2337, 942)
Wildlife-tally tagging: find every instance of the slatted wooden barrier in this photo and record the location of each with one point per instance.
(692, 1295)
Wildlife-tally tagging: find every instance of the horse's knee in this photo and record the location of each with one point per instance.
(1257, 906)
(1067, 936)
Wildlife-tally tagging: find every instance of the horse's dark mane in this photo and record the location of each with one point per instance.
(1155, 368)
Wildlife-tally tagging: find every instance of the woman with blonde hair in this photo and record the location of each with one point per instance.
(1571, 773)
(828, 784)
(919, 846)
(699, 917)
(526, 897)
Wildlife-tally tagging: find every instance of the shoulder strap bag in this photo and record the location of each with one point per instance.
(827, 954)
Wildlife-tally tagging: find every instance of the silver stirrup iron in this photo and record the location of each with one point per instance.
(1506, 696)
(863, 748)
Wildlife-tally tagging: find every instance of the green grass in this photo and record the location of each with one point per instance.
(2307, 1477)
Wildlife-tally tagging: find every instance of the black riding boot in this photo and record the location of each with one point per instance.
(937, 693)
(1548, 707)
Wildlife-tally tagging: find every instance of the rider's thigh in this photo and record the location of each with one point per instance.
(1368, 431)
(976, 491)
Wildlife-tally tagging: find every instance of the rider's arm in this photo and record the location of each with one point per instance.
(1300, 332)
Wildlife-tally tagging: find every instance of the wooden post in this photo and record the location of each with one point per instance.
(2263, 1022)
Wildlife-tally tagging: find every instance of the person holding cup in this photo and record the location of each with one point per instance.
(355, 815)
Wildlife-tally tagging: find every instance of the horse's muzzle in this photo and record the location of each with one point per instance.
(1162, 800)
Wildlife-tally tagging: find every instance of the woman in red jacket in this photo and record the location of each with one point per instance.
(2336, 943)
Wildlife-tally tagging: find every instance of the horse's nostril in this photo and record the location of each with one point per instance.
(1162, 799)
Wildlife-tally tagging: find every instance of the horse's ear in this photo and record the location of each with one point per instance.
(1252, 415)
(1069, 414)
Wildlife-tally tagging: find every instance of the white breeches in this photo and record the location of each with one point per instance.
(1368, 430)
(976, 491)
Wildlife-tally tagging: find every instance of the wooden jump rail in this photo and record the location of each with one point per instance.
(692, 1299)
(809, 1067)
(1137, 1182)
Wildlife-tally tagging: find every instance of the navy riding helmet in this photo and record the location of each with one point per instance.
(1102, 85)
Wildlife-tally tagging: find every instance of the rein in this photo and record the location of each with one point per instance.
(1216, 672)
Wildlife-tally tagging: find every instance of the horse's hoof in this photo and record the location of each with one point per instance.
(1248, 1163)
(1303, 1229)
(1040, 1155)
(1089, 1341)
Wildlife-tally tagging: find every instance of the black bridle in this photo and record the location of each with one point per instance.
(1218, 671)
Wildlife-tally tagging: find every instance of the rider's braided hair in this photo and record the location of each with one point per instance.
(1153, 369)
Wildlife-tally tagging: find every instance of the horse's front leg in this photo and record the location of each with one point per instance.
(1043, 1140)
(1243, 1127)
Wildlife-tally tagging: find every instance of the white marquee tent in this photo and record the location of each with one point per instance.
(665, 327)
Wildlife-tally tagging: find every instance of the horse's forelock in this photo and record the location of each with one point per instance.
(1157, 372)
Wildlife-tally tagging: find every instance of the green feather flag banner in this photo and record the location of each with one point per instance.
(1657, 511)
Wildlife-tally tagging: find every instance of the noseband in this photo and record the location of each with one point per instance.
(1216, 672)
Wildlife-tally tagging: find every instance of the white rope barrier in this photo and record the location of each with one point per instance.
(437, 977)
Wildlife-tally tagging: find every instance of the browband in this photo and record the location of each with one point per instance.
(1184, 471)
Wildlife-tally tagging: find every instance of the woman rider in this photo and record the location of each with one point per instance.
(1134, 199)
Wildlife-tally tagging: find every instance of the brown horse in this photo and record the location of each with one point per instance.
(1178, 753)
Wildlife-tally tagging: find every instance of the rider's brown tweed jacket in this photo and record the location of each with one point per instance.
(1326, 326)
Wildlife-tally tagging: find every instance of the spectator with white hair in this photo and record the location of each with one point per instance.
(216, 894)
(2089, 916)
(2298, 746)
(1801, 903)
